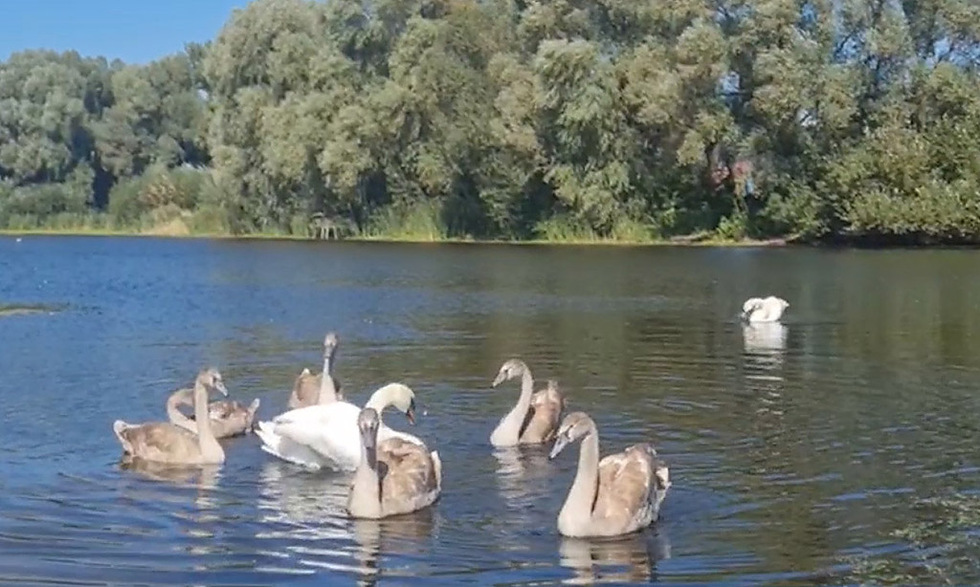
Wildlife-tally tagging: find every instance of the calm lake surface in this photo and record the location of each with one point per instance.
(790, 448)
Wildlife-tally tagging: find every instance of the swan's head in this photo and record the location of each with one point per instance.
(368, 422)
(211, 378)
(509, 370)
(330, 343)
(575, 426)
(398, 395)
(751, 304)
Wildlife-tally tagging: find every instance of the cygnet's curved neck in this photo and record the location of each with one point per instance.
(210, 449)
(581, 497)
(176, 417)
(365, 491)
(508, 431)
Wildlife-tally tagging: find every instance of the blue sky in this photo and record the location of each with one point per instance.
(136, 31)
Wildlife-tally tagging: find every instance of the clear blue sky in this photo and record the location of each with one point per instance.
(136, 31)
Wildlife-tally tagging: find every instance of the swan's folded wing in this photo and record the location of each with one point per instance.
(220, 410)
(544, 416)
(329, 430)
(306, 390)
(158, 440)
(625, 483)
(385, 433)
(318, 415)
(411, 472)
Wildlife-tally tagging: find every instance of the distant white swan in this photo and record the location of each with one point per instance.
(768, 309)
(327, 435)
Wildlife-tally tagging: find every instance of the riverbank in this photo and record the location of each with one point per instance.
(686, 241)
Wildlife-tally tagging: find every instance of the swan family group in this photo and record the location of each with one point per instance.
(394, 472)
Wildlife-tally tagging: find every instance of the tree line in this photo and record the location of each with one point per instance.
(517, 119)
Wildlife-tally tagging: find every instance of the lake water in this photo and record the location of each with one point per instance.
(790, 449)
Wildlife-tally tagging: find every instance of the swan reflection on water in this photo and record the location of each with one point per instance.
(402, 535)
(201, 477)
(765, 344)
(764, 338)
(625, 559)
(523, 473)
(305, 513)
(314, 504)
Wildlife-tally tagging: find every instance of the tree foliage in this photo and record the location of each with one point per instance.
(523, 118)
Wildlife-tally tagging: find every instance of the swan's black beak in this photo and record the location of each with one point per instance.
(220, 386)
(561, 441)
(410, 413)
(501, 377)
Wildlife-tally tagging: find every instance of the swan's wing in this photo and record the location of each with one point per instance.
(384, 433)
(437, 468)
(223, 409)
(626, 480)
(285, 448)
(542, 420)
(750, 304)
(774, 307)
(311, 415)
(329, 430)
(411, 473)
(306, 390)
(158, 441)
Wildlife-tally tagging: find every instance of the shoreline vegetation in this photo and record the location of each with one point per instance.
(704, 240)
(725, 123)
(696, 240)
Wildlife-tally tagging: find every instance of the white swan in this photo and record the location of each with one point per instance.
(768, 309)
(327, 435)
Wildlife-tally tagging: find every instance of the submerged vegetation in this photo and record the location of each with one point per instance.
(619, 120)
(941, 549)
(21, 309)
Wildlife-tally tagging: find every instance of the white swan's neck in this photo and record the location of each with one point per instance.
(210, 449)
(577, 510)
(381, 399)
(508, 431)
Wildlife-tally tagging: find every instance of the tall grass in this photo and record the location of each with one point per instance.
(417, 222)
(563, 228)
